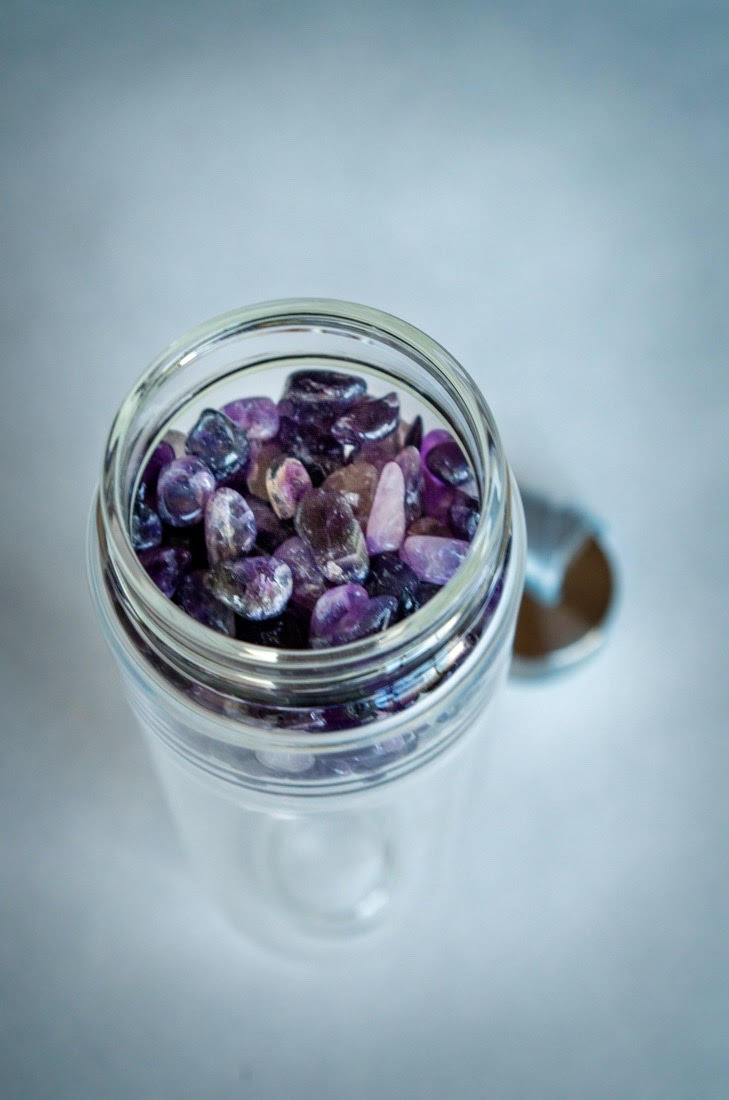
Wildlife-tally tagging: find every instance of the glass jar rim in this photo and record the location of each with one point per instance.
(256, 671)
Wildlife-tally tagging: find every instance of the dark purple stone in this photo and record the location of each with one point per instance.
(368, 421)
(289, 630)
(190, 542)
(161, 456)
(318, 387)
(309, 584)
(437, 495)
(219, 443)
(198, 601)
(165, 565)
(414, 435)
(271, 531)
(257, 416)
(146, 527)
(447, 461)
(327, 524)
(465, 513)
(390, 576)
(256, 588)
(183, 489)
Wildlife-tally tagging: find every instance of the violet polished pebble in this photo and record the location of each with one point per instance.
(311, 522)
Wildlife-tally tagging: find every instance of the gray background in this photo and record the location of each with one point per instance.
(543, 189)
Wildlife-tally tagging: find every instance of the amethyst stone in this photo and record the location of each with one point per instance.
(271, 531)
(357, 483)
(438, 496)
(261, 457)
(230, 526)
(309, 584)
(146, 529)
(316, 387)
(257, 416)
(447, 461)
(368, 421)
(347, 613)
(426, 525)
(327, 524)
(256, 588)
(433, 559)
(220, 443)
(409, 462)
(161, 456)
(165, 565)
(386, 525)
(183, 489)
(390, 576)
(287, 481)
(376, 615)
(198, 601)
(414, 435)
(286, 631)
(465, 513)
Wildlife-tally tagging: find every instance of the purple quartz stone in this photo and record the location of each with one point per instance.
(183, 489)
(409, 462)
(465, 513)
(287, 481)
(332, 606)
(389, 575)
(438, 496)
(375, 616)
(375, 454)
(271, 531)
(165, 565)
(257, 416)
(261, 457)
(447, 461)
(256, 588)
(414, 435)
(309, 584)
(230, 526)
(198, 601)
(386, 525)
(327, 524)
(146, 527)
(319, 387)
(161, 456)
(220, 443)
(368, 420)
(433, 559)
(357, 482)
(426, 525)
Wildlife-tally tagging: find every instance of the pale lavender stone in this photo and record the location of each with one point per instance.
(183, 489)
(287, 481)
(386, 525)
(361, 622)
(327, 524)
(258, 416)
(230, 526)
(309, 584)
(433, 559)
(256, 588)
(332, 606)
(438, 496)
(409, 462)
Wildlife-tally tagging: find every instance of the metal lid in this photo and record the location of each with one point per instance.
(569, 590)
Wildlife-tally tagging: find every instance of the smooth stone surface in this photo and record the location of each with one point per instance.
(309, 583)
(326, 522)
(409, 462)
(198, 601)
(447, 461)
(375, 616)
(368, 421)
(220, 443)
(376, 454)
(256, 588)
(433, 559)
(464, 515)
(438, 496)
(166, 565)
(261, 457)
(183, 489)
(386, 524)
(389, 575)
(318, 387)
(146, 526)
(357, 483)
(230, 526)
(161, 456)
(257, 416)
(331, 608)
(287, 481)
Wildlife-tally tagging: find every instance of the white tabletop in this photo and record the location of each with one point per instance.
(545, 194)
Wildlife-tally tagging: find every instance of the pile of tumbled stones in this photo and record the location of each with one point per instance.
(308, 523)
